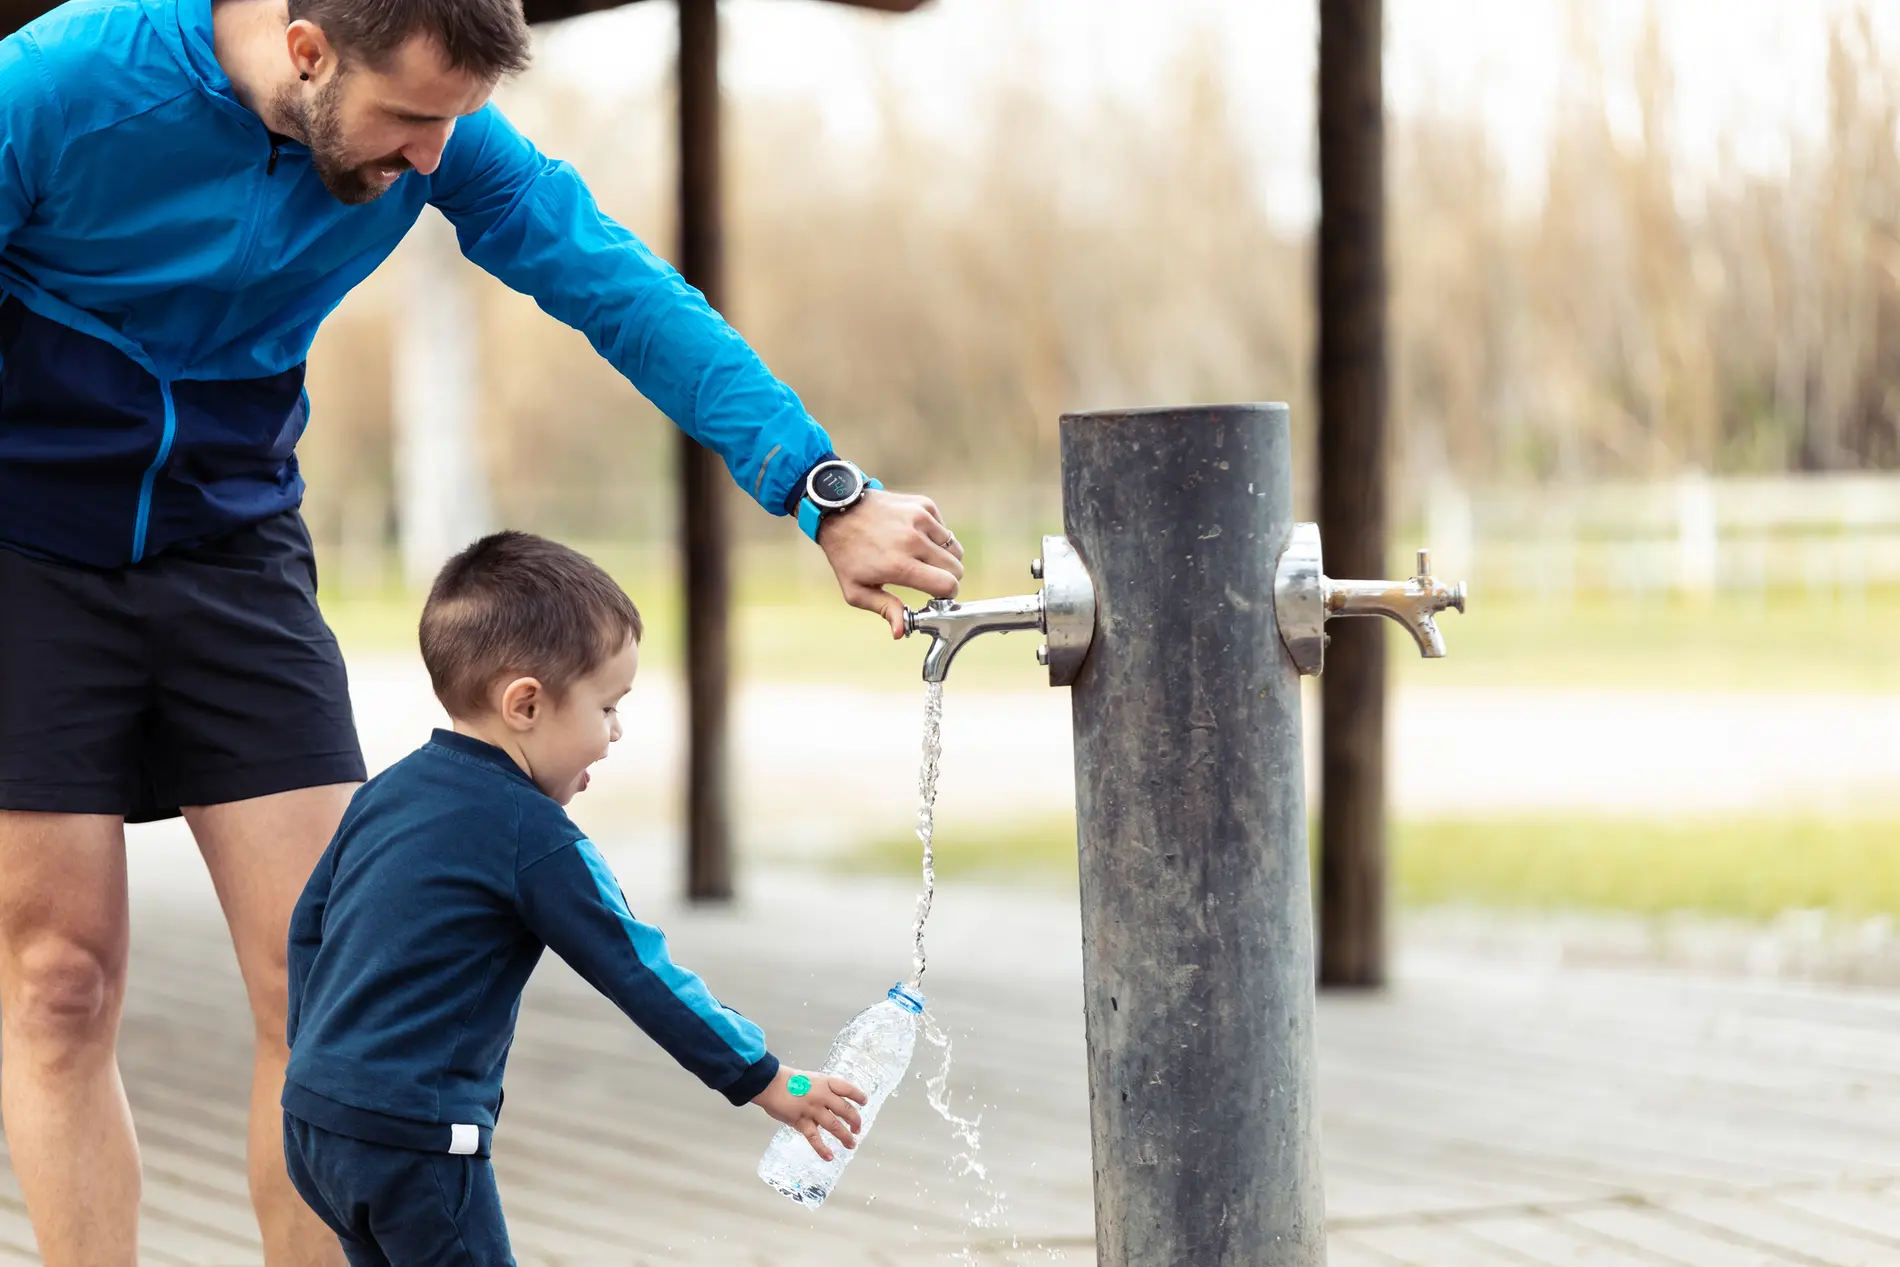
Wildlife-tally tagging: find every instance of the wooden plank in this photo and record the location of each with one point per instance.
(1547, 1241)
(1652, 1232)
(1872, 1213)
(1771, 1221)
(1427, 1243)
(1348, 1249)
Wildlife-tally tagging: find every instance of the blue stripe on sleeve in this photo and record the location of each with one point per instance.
(649, 944)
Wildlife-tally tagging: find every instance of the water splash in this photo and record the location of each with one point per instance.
(968, 1131)
(927, 818)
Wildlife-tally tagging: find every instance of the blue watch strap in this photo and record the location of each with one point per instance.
(810, 514)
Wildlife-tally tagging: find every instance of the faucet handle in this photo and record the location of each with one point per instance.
(1447, 597)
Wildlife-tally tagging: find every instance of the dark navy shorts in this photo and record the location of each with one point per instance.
(202, 676)
(395, 1207)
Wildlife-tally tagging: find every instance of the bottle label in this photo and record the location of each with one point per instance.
(799, 1084)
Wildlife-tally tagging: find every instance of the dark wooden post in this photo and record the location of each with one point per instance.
(1352, 486)
(705, 548)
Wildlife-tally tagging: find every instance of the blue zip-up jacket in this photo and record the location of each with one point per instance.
(165, 262)
(415, 936)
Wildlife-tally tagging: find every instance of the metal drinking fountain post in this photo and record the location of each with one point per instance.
(1182, 607)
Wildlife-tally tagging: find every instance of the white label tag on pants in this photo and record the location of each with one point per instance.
(464, 1139)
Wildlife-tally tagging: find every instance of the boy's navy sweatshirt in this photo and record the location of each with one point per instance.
(413, 940)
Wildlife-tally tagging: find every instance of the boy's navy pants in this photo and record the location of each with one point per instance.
(395, 1207)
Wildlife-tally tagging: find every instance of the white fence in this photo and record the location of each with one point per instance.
(1825, 534)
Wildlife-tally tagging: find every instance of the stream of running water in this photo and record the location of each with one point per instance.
(927, 820)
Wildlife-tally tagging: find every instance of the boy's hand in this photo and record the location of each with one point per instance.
(827, 1103)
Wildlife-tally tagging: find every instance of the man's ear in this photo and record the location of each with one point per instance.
(522, 703)
(310, 51)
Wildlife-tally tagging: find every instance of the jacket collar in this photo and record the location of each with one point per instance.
(185, 27)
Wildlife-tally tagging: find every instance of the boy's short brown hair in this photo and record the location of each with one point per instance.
(517, 605)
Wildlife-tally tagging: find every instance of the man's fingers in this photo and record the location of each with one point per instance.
(918, 575)
(947, 558)
(848, 1090)
(922, 508)
(938, 533)
(841, 1131)
(816, 1139)
(883, 602)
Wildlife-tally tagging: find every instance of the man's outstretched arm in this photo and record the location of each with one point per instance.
(532, 223)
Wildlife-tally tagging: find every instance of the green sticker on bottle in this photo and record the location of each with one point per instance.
(799, 1084)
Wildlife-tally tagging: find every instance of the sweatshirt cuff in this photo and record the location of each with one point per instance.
(797, 494)
(754, 1080)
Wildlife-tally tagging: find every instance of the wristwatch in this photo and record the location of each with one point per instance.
(833, 487)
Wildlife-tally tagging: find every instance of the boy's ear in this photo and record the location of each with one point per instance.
(522, 703)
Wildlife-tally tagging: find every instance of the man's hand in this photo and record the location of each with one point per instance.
(891, 539)
(827, 1104)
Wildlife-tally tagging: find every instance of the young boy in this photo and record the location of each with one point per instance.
(451, 871)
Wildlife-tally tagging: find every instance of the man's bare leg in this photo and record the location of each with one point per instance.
(63, 938)
(260, 853)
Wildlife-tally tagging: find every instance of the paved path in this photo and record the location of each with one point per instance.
(1484, 1112)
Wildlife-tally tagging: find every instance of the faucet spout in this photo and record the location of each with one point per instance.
(1412, 603)
(950, 624)
(1064, 610)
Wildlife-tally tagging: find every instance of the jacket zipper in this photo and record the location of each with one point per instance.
(257, 211)
(151, 472)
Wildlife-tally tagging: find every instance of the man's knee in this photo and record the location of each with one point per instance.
(63, 1002)
(268, 986)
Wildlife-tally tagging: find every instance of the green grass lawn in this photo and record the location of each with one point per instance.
(1745, 867)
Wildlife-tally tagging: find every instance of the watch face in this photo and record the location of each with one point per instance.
(835, 484)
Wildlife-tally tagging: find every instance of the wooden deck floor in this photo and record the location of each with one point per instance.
(1482, 1113)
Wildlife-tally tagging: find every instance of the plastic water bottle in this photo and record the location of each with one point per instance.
(871, 1053)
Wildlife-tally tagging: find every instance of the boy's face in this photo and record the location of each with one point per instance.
(573, 732)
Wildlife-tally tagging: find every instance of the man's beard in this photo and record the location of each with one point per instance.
(321, 122)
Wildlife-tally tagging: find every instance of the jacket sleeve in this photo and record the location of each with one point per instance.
(533, 223)
(306, 936)
(30, 129)
(572, 901)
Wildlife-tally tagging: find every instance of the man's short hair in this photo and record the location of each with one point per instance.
(485, 38)
(516, 605)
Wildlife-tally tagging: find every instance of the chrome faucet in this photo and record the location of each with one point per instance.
(1064, 610)
(1305, 598)
(951, 623)
(1412, 603)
